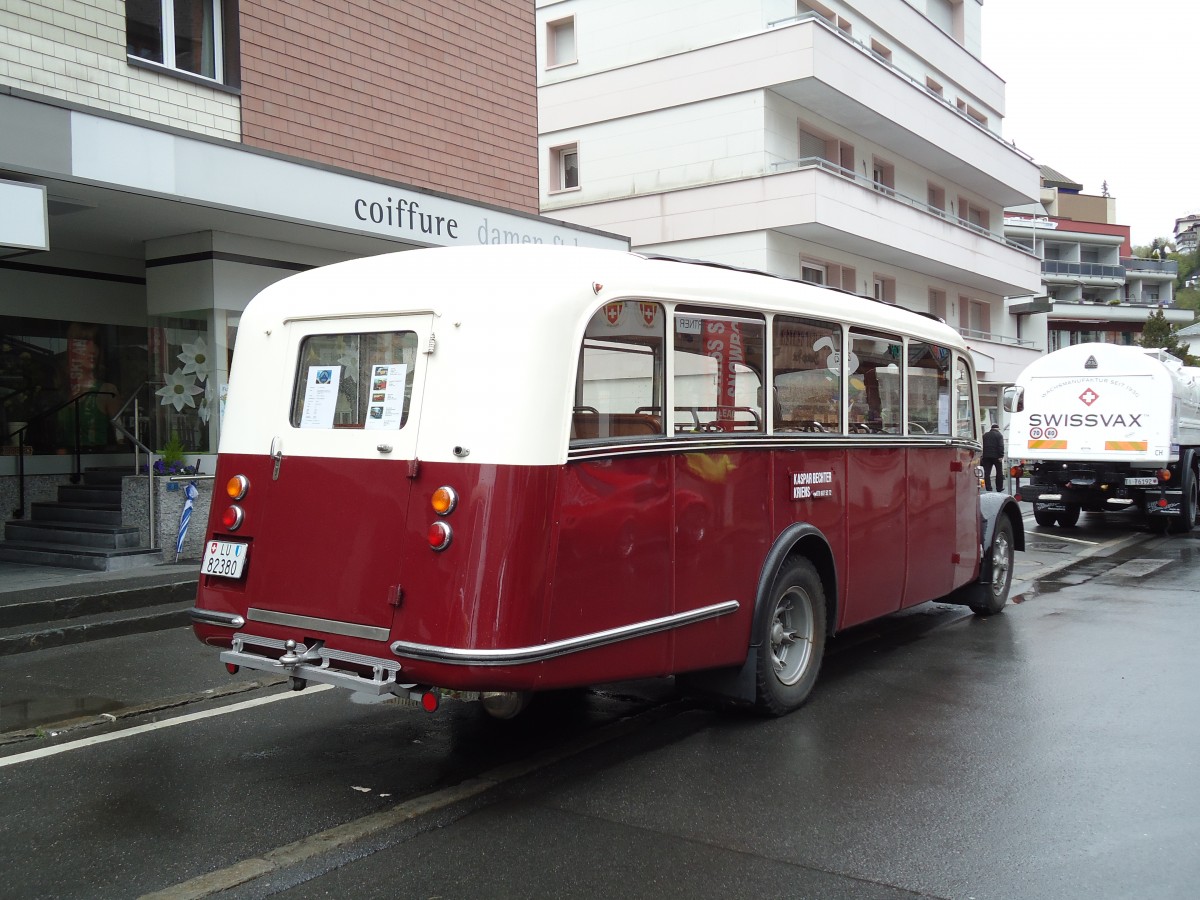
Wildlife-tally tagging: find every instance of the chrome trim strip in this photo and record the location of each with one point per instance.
(329, 626)
(523, 655)
(212, 617)
(767, 442)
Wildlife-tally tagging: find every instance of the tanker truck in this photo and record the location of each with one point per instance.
(1104, 428)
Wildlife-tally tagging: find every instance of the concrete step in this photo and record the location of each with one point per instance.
(75, 557)
(45, 531)
(83, 493)
(94, 513)
(106, 477)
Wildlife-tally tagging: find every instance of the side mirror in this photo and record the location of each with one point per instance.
(1013, 399)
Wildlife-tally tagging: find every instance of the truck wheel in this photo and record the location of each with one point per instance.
(1043, 516)
(993, 597)
(791, 639)
(1069, 518)
(1187, 506)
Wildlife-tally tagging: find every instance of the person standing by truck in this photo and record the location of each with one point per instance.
(993, 457)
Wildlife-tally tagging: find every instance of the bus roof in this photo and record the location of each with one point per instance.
(502, 335)
(474, 279)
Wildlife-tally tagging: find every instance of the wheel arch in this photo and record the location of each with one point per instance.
(797, 540)
(992, 508)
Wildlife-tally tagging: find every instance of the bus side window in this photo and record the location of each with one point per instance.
(964, 390)
(875, 374)
(807, 375)
(718, 360)
(619, 387)
(928, 389)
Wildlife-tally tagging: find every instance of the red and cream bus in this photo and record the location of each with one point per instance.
(487, 472)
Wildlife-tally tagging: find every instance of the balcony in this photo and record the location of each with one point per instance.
(1057, 271)
(820, 69)
(1166, 266)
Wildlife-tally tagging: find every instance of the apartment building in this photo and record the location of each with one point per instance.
(853, 144)
(1187, 233)
(161, 161)
(1093, 287)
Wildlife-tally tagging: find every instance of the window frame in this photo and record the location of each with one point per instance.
(560, 157)
(553, 30)
(224, 22)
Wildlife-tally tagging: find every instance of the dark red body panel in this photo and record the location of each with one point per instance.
(548, 553)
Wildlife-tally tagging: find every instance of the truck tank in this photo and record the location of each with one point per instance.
(1104, 427)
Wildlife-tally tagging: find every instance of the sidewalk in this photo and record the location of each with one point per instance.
(45, 606)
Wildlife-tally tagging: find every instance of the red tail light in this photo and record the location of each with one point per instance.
(440, 536)
(232, 518)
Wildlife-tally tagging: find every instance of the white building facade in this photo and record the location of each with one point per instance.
(852, 144)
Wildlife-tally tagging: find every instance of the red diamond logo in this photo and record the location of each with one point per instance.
(1089, 397)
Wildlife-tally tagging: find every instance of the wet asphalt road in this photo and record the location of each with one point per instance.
(1051, 751)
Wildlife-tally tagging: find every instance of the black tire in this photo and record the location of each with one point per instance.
(1187, 506)
(791, 638)
(991, 598)
(1069, 518)
(1044, 516)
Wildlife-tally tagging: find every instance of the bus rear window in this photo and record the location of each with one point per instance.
(354, 380)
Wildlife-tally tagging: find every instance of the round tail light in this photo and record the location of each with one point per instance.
(444, 500)
(237, 486)
(232, 518)
(440, 536)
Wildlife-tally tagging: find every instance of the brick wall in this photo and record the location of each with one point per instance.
(75, 50)
(435, 94)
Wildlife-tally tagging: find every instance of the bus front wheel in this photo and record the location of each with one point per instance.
(991, 598)
(791, 639)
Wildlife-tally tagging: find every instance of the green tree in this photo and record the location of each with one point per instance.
(1160, 333)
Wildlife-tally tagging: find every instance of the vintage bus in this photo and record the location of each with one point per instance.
(487, 472)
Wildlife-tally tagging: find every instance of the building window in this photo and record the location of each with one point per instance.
(884, 288)
(192, 36)
(979, 317)
(813, 273)
(936, 197)
(934, 87)
(883, 173)
(937, 304)
(881, 51)
(560, 42)
(564, 168)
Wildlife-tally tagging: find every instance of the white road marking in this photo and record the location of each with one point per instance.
(155, 726)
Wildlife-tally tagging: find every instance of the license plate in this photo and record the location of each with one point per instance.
(225, 559)
(1149, 481)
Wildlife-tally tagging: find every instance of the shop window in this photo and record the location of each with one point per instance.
(54, 371)
(194, 37)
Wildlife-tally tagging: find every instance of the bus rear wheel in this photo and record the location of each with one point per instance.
(791, 639)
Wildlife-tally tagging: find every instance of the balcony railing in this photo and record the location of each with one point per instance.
(818, 162)
(970, 333)
(1081, 270)
(1137, 264)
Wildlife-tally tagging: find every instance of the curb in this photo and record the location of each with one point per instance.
(105, 625)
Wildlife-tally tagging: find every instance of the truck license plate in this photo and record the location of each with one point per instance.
(225, 559)
(1147, 481)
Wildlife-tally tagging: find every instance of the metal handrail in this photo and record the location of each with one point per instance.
(19, 512)
(134, 439)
